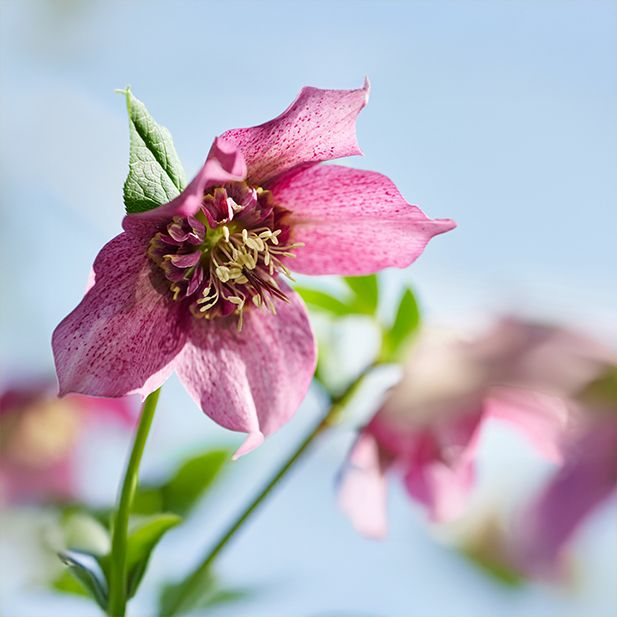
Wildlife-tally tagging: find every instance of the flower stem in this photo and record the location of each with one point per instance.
(186, 593)
(117, 566)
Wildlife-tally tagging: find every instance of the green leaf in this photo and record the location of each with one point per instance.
(141, 542)
(156, 174)
(182, 491)
(148, 500)
(405, 325)
(67, 583)
(498, 570)
(192, 479)
(602, 392)
(84, 533)
(322, 301)
(86, 569)
(174, 599)
(366, 293)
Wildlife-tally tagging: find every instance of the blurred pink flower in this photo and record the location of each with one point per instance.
(587, 478)
(429, 425)
(181, 288)
(39, 434)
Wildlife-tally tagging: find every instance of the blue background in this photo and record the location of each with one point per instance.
(501, 115)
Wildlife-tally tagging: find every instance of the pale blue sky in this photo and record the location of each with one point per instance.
(499, 114)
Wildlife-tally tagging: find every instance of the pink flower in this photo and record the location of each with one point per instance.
(587, 478)
(429, 426)
(38, 437)
(188, 286)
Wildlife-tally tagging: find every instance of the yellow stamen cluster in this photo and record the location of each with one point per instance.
(243, 266)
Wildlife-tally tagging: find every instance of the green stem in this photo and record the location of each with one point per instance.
(117, 566)
(187, 592)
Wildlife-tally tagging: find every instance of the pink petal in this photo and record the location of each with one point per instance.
(253, 380)
(543, 419)
(442, 489)
(587, 478)
(441, 471)
(225, 163)
(362, 490)
(352, 221)
(122, 409)
(124, 335)
(319, 125)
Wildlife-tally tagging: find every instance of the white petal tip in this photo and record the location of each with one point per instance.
(366, 86)
(252, 441)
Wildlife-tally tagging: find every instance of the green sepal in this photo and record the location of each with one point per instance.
(156, 174)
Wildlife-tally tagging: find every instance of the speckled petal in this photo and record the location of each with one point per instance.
(319, 125)
(254, 380)
(352, 221)
(124, 335)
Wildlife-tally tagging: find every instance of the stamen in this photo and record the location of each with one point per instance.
(230, 252)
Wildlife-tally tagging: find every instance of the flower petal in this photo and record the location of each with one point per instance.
(319, 125)
(362, 490)
(124, 335)
(225, 163)
(441, 471)
(352, 221)
(541, 418)
(253, 380)
(442, 489)
(587, 478)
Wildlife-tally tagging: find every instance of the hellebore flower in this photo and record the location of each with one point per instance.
(587, 478)
(188, 286)
(430, 423)
(38, 438)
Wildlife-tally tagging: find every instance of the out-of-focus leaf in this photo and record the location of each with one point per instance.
(148, 500)
(173, 598)
(366, 293)
(141, 542)
(405, 325)
(602, 392)
(86, 569)
(187, 485)
(500, 572)
(156, 174)
(192, 479)
(85, 533)
(323, 301)
(67, 583)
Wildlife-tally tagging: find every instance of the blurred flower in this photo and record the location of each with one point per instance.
(183, 286)
(484, 541)
(586, 479)
(38, 438)
(429, 425)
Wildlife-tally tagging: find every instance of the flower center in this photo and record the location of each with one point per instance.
(229, 255)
